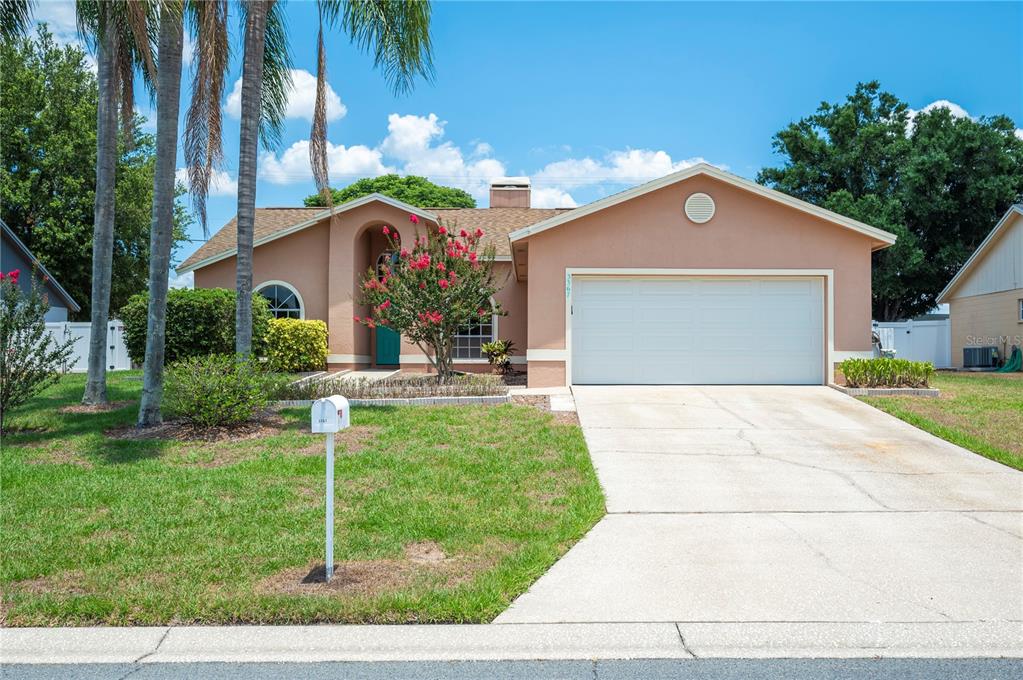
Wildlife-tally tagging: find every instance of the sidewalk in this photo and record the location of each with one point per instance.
(509, 642)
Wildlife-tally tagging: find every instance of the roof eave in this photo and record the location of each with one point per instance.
(50, 279)
(978, 254)
(316, 219)
(884, 238)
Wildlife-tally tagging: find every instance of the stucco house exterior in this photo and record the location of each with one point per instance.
(985, 297)
(14, 254)
(697, 277)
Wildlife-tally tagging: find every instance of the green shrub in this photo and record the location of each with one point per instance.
(499, 354)
(218, 390)
(199, 322)
(296, 345)
(885, 372)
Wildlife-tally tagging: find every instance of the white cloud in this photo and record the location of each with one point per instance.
(59, 17)
(627, 167)
(342, 162)
(551, 197)
(186, 280)
(187, 49)
(221, 183)
(301, 100)
(956, 110)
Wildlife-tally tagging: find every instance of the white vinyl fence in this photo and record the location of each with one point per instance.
(117, 352)
(918, 340)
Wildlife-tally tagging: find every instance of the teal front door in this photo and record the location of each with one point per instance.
(388, 346)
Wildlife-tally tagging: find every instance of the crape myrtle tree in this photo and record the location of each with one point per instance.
(443, 283)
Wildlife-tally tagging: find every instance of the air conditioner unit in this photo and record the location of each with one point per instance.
(980, 357)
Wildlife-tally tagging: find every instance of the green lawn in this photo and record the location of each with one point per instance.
(443, 514)
(982, 412)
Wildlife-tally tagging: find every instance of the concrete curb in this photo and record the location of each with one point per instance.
(490, 642)
(887, 391)
(413, 401)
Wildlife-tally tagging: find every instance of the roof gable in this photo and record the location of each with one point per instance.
(991, 242)
(882, 238)
(50, 280)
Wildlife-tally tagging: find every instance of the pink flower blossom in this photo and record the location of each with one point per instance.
(403, 254)
(356, 319)
(479, 233)
(413, 219)
(441, 267)
(452, 275)
(463, 233)
(422, 285)
(443, 283)
(385, 304)
(441, 230)
(387, 232)
(472, 258)
(481, 312)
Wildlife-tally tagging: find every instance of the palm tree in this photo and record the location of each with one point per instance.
(15, 16)
(121, 31)
(397, 33)
(202, 152)
(266, 80)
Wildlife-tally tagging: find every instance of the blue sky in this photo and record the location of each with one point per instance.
(587, 98)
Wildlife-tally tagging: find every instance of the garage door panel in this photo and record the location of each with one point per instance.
(697, 330)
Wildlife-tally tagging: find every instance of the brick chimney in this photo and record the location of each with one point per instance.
(509, 192)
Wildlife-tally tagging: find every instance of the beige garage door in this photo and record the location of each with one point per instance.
(697, 330)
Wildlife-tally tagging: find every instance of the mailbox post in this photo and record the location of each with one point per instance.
(329, 415)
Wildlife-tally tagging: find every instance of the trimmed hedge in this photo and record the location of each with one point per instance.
(215, 390)
(296, 345)
(885, 372)
(199, 322)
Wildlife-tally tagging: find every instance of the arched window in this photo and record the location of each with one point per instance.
(388, 258)
(285, 301)
(469, 338)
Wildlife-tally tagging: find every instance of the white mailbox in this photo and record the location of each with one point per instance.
(330, 414)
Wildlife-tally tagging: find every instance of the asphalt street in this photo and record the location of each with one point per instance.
(648, 669)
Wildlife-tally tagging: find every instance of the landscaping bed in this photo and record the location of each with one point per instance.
(982, 412)
(443, 514)
(398, 386)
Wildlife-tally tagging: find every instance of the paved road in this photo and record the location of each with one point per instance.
(709, 669)
(783, 504)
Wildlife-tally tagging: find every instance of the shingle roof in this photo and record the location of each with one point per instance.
(496, 224)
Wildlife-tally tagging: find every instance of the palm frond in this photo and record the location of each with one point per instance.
(396, 32)
(318, 135)
(203, 129)
(276, 77)
(15, 17)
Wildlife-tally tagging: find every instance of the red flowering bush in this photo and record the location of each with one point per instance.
(444, 282)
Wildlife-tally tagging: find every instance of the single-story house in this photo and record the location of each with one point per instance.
(14, 254)
(697, 277)
(985, 297)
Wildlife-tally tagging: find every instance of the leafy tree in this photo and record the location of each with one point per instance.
(938, 182)
(48, 178)
(444, 283)
(30, 357)
(414, 190)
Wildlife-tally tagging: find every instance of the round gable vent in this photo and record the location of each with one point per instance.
(699, 208)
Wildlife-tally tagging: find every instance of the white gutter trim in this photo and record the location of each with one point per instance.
(979, 253)
(716, 173)
(316, 219)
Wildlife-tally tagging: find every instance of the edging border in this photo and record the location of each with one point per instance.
(409, 401)
(929, 392)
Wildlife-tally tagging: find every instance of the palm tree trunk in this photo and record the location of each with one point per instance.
(168, 102)
(103, 216)
(252, 87)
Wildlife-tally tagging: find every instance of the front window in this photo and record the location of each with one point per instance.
(284, 301)
(469, 339)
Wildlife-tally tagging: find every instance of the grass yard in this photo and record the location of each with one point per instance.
(442, 515)
(982, 412)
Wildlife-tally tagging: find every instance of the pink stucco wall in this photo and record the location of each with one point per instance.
(325, 262)
(651, 231)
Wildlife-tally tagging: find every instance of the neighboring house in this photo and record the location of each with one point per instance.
(697, 277)
(986, 297)
(14, 254)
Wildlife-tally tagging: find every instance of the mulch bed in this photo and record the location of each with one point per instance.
(268, 424)
(94, 408)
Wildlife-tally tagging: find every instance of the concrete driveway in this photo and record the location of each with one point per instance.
(783, 504)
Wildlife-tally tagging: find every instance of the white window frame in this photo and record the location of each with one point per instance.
(285, 284)
(493, 336)
(1019, 309)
